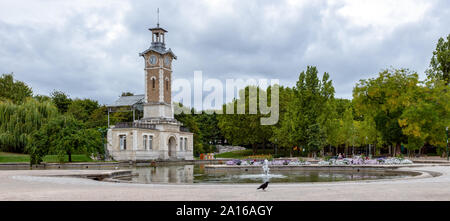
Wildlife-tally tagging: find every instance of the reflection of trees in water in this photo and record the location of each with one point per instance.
(185, 174)
(313, 176)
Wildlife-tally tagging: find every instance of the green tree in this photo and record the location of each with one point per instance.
(316, 138)
(61, 100)
(208, 125)
(383, 99)
(348, 130)
(440, 62)
(13, 90)
(189, 122)
(127, 94)
(367, 133)
(283, 133)
(82, 109)
(42, 98)
(333, 123)
(426, 114)
(308, 111)
(64, 135)
(98, 118)
(245, 128)
(19, 121)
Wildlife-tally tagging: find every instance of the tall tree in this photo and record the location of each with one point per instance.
(82, 109)
(348, 130)
(440, 62)
(188, 121)
(13, 90)
(382, 99)
(19, 121)
(426, 114)
(125, 94)
(208, 124)
(283, 133)
(308, 111)
(64, 135)
(61, 100)
(42, 98)
(245, 128)
(98, 118)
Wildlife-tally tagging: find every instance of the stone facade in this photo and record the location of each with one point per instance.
(157, 109)
(159, 147)
(157, 136)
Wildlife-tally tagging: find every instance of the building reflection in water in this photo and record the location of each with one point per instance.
(165, 174)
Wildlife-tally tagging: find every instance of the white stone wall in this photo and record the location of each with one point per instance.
(135, 150)
(158, 110)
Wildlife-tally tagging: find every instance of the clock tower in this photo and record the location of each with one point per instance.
(158, 135)
(158, 76)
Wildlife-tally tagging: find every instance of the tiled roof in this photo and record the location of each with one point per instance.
(159, 50)
(128, 101)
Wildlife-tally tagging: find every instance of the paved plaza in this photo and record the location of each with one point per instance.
(44, 185)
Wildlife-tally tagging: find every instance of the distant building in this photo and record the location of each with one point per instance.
(157, 135)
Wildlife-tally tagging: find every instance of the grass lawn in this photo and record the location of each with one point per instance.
(242, 154)
(17, 158)
(13, 157)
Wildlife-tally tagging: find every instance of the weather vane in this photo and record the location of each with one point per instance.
(157, 12)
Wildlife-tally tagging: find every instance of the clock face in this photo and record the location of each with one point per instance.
(152, 59)
(167, 61)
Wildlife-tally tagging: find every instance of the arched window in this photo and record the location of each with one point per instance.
(167, 84)
(153, 83)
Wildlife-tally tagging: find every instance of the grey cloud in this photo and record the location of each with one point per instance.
(245, 43)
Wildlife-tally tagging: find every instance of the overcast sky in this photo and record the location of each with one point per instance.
(89, 49)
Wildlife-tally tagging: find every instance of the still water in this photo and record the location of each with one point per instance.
(196, 174)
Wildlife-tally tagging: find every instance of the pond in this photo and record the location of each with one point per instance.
(189, 174)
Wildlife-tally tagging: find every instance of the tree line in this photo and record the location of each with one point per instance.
(391, 112)
(54, 124)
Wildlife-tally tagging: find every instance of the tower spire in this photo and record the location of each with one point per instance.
(157, 11)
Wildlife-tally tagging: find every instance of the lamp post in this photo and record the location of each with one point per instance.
(367, 152)
(446, 135)
(276, 145)
(103, 132)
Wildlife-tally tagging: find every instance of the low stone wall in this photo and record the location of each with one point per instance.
(87, 165)
(106, 176)
(225, 149)
(103, 165)
(222, 168)
(179, 162)
(429, 161)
